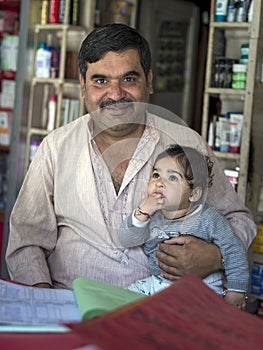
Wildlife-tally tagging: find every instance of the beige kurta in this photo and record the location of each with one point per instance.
(64, 223)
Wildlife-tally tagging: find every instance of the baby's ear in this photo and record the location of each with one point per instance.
(196, 194)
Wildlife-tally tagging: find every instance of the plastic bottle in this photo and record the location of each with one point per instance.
(250, 11)
(231, 11)
(34, 144)
(241, 13)
(44, 12)
(221, 10)
(61, 12)
(54, 11)
(43, 55)
(239, 76)
(52, 104)
(55, 57)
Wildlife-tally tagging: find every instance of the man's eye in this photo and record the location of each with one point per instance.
(129, 79)
(101, 81)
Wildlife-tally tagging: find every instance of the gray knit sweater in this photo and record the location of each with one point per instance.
(207, 223)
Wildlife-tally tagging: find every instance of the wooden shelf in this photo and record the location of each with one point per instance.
(58, 27)
(227, 155)
(246, 101)
(221, 91)
(63, 88)
(231, 25)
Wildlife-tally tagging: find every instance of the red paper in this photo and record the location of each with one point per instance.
(187, 315)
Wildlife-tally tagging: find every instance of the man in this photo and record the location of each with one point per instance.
(89, 175)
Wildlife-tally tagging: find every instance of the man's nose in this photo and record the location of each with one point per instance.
(115, 91)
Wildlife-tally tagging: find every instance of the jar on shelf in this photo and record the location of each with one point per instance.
(244, 51)
(239, 76)
(223, 72)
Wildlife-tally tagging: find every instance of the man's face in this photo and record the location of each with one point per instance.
(117, 77)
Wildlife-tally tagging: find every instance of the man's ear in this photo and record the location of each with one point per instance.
(150, 82)
(82, 85)
(196, 194)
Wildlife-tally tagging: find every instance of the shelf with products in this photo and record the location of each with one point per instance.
(230, 99)
(4, 156)
(55, 94)
(9, 42)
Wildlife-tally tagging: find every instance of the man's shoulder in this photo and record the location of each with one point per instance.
(75, 124)
(69, 133)
(177, 126)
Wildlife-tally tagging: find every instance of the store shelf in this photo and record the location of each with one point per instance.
(227, 155)
(232, 35)
(68, 38)
(230, 25)
(218, 91)
(58, 27)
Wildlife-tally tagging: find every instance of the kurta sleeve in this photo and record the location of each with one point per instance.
(33, 226)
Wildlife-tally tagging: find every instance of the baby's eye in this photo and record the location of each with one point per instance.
(155, 175)
(173, 178)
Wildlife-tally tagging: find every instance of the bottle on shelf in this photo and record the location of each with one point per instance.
(55, 56)
(54, 11)
(44, 12)
(34, 144)
(232, 10)
(43, 59)
(61, 12)
(52, 106)
(221, 10)
(241, 11)
(213, 136)
(239, 76)
(250, 11)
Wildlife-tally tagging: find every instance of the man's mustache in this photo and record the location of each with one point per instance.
(110, 102)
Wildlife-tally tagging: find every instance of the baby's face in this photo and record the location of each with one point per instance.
(167, 179)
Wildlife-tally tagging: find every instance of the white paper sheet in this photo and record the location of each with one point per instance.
(23, 305)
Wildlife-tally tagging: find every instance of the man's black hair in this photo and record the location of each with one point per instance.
(114, 37)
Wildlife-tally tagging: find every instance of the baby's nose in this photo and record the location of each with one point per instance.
(160, 183)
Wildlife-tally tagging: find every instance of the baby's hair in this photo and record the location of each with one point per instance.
(197, 167)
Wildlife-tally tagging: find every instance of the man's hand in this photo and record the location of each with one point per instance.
(183, 254)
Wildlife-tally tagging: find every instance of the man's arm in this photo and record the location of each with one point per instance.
(33, 226)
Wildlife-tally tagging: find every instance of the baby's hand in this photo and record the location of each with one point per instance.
(152, 203)
(237, 299)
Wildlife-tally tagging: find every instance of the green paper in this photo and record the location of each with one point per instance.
(95, 298)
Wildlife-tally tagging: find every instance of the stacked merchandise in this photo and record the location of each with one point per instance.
(257, 279)
(257, 271)
(53, 12)
(234, 10)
